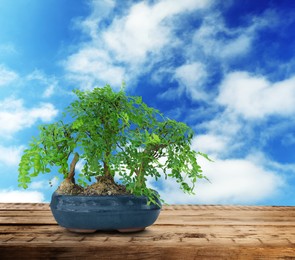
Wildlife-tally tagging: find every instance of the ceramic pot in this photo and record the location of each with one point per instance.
(125, 213)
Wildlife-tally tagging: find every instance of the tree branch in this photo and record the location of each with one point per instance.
(72, 167)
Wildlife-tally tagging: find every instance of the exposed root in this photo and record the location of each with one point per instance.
(105, 185)
(67, 187)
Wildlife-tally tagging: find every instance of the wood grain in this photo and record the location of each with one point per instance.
(181, 232)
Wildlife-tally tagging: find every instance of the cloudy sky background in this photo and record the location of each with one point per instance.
(226, 68)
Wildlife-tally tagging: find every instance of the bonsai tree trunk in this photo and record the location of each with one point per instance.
(140, 181)
(71, 175)
(68, 186)
(107, 175)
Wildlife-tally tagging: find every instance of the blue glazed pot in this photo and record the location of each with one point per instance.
(125, 213)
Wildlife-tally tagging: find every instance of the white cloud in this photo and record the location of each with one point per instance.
(14, 116)
(7, 76)
(213, 42)
(238, 46)
(16, 196)
(210, 143)
(79, 165)
(90, 65)
(254, 177)
(50, 84)
(49, 91)
(100, 9)
(233, 181)
(10, 155)
(259, 158)
(37, 185)
(45, 112)
(238, 181)
(144, 30)
(120, 51)
(222, 136)
(255, 97)
(44, 184)
(217, 41)
(191, 78)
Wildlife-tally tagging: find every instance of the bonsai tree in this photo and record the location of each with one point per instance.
(114, 135)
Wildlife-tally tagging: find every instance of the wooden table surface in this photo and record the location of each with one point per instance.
(29, 231)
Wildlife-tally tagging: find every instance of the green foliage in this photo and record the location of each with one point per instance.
(115, 134)
(56, 142)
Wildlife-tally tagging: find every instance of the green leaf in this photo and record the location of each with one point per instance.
(156, 138)
(205, 156)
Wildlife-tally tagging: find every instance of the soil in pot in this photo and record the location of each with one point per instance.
(105, 185)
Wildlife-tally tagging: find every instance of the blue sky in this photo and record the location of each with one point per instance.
(226, 68)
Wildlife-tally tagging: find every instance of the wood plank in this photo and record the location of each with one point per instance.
(45, 206)
(164, 233)
(154, 238)
(181, 232)
(167, 217)
(144, 252)
(24, 206)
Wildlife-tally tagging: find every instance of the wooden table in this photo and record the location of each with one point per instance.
(28, 231)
